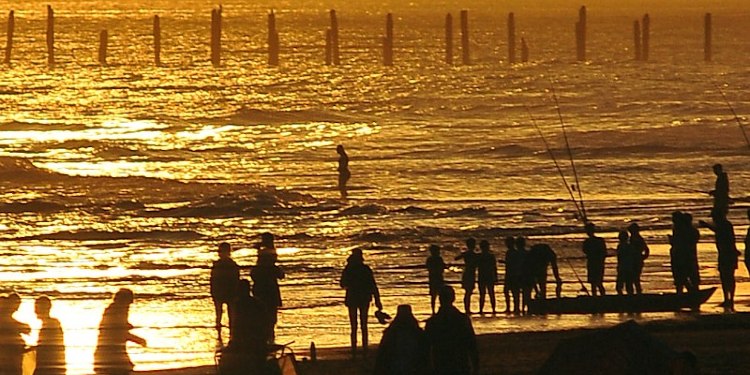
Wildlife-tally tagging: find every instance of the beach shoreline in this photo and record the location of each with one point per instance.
(717, 341)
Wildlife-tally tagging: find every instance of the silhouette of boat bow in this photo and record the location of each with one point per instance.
(661, 302)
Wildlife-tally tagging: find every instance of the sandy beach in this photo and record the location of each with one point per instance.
(719, 342)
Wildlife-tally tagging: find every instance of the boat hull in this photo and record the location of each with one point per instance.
(621, 303)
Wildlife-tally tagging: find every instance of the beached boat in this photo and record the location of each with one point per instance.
(621, 303)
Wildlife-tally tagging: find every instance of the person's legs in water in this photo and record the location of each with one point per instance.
(482, 294)
(491, 292)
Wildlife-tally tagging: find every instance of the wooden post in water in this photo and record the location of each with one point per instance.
(646, 35)
(524, 51)
(50, 36)
(449, 39)
(637, 40)
(157, 41)
(273, 40)
(465, 57)
(335, 57)
(388, 41)
(103, 39)
(707, 43)
(581, 34)
(329, 47)
(9, 41)
(511, 38)
(216, 36)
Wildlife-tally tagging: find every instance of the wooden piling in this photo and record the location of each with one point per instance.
(707, 43)
(637, 40)
(335, 57)
(9, 40)
(273, 40)
(157, 41)
(388, 41)
(465, 57)
(511, 38)
(646, 35)
(329, 47)
(449, 39)
(216, 36)
(524, 51)
(50, 36)
(581, 34)
(103, 40)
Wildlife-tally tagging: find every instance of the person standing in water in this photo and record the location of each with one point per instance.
(627, 264)
(359, 282)
(469, 277)
(487, 266)
(513, 275)
(50, 350)
(343, 169)
(225, 276)
(596, 253)
(111, 355)
(728, 254)
(435, 267)
(642, 253)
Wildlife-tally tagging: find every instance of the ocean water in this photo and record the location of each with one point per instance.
(130, 175)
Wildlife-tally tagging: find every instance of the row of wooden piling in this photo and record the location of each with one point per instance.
(641, 36)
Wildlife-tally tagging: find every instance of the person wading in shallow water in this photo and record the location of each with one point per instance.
(487, 267)
(225, 276)
(343, 169)
(469, 277)
(435, 267)
(359, 282)
(596, 252)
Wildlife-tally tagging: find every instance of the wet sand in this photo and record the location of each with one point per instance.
(719, 342)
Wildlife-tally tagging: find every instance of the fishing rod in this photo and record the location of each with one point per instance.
(570, 153)
(736, 118)
(583, 286)
(554, 159)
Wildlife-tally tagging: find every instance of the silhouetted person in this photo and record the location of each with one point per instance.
(538, 259)
(684, 252)
(747, 244)
(111, 355)
(596, 253)
(266, 275)
(728, 254)
(343, 169)
(469, 276)
(526, 277)
(266, 245)
(12, 345)
(251, 332)
(721, 189)
(359, 282)
(642, 251)
(225, 274)
(487, 267)
(451, 339)
(50, 350)
(403, 348)
(627, 264)
(435, 267)
(513, 275)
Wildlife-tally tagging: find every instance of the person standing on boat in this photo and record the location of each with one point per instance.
(642, 253)
(721, 189)
(359, 282)
(469, 276)
(728, 254)
(627, 264)
(487, 266)
(435, 267)
(596, 253)
(513, 275)
(344, 173)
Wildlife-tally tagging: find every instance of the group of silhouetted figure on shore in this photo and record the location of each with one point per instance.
(446, 345)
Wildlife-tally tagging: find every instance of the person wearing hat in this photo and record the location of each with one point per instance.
(596, 252)
(359, 282)
(640, 247)
(402, 350)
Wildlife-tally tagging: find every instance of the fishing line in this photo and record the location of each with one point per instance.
(736, 118)
(570, 153)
